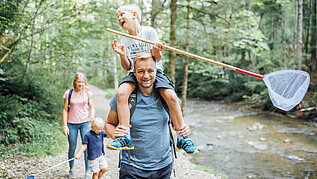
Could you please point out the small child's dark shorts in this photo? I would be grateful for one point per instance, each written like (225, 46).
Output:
(161, 81)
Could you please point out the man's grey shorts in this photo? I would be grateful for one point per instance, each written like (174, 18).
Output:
(98, 164)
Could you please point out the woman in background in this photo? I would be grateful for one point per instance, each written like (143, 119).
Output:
(76, 117)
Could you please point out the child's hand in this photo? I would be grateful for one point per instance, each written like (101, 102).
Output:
(119, 48)
(159, 46)
(77, 156)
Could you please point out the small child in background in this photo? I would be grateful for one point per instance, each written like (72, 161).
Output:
(93, 140)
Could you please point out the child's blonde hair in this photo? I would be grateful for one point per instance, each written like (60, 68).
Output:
(132, 8)
(98, 122)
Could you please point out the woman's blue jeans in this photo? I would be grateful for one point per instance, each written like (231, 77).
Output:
(72, 141)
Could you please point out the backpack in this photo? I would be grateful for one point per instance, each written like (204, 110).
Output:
(132, 104)
(69, 97)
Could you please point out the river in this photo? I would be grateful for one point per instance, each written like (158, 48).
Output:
(242, 144)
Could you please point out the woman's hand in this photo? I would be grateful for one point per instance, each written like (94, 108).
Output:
(120, 132)
(92, 119)
(66, 131)
(184, 131)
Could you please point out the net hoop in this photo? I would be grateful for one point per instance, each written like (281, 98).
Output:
(287, 88)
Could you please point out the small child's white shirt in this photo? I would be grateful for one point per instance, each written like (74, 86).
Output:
(134, 47)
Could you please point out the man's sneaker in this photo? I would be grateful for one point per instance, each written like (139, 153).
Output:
(71, 174)
(120, 143)
(187, 145)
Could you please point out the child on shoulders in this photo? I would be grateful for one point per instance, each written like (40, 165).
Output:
(129, 18)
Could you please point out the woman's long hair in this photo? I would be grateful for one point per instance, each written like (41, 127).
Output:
(84, 91)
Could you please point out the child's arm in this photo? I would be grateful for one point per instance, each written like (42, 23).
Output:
(81, 150)
(156, 51)
(119, 48)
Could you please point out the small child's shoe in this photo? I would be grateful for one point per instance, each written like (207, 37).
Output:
(88, 176)
(71, 174)
(120, 143)
(187, 145)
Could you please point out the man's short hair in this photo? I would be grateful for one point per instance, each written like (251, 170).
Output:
(143, 55)
(132, 8)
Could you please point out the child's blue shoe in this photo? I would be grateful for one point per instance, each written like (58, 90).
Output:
(187, 145)
(120, 143)
(71, 174)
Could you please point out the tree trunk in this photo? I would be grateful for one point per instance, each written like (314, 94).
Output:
(306, 36)
(272, 35)
(313, 36)
(300, 33)
(28, 61)
(172, 55)
(243, 58)
(283, 36)
(154, 12)
(295, 26)
(251, 57)
(185, 81)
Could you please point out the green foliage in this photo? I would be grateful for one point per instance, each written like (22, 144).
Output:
(28, 116)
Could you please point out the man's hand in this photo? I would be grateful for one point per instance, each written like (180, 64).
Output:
(119, 48)
(184, 131)
(120, 132)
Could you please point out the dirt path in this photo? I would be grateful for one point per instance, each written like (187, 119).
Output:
(23, 167)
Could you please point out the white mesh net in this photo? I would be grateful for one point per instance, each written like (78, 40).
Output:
(287, 87)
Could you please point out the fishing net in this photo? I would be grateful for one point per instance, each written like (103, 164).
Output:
(287, 87)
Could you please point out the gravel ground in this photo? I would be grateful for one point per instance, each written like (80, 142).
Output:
(23, 166)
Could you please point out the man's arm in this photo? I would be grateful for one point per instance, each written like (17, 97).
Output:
(112, 128)
(111, 123)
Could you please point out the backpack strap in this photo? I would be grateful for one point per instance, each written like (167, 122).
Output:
(132, 101)
(132, 104)
(69, 97)
(172, 142)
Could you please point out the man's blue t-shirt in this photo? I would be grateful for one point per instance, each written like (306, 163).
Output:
(149, 132)
(94, 144)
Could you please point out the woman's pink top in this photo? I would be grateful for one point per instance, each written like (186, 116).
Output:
(79, 111)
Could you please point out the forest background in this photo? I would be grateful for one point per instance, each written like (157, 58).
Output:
(45, 42)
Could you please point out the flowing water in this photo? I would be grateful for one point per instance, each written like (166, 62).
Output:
(243, 144)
